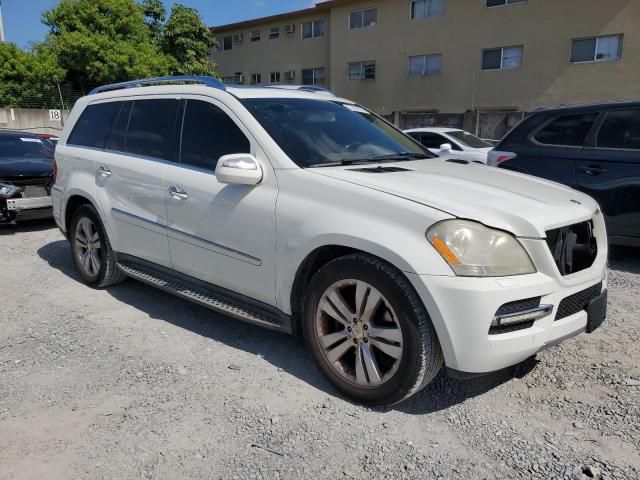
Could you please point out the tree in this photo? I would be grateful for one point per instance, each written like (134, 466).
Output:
(154, 15)
(187, 39)
(28, 79)
(103, 41)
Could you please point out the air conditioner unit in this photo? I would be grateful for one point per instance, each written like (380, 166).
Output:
(290, 75)
(237, 37)
(289, 28)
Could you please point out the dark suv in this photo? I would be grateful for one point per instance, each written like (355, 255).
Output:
(593, 148)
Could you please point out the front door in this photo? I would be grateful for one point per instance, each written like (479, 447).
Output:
(222, 234)
(609, 171)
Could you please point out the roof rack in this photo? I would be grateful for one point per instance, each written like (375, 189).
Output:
(203, 80)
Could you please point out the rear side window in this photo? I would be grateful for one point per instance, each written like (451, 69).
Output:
(207, 134)
(94, 124)
(119, 129)
(152, 129)
(620, 129)
(568, 130)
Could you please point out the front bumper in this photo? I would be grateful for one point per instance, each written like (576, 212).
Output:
(462, 310)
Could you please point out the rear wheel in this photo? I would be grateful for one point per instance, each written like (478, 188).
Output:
(91, 249)
(369, 331)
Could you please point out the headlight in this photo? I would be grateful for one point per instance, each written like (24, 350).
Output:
(473, 250)
(8, 191)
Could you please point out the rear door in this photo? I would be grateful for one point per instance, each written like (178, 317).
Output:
(551, 149)
(609, 171)
(130, 174)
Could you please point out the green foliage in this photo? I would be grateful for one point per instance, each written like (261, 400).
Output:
(103, 41)
(154, 15)
(187, 39)
(27, 78)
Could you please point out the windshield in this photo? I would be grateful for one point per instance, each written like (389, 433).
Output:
(17, 146)
(320, 132)
(468, 139)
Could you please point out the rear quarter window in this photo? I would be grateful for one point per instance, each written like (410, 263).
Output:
(567, 130)
(94, 124)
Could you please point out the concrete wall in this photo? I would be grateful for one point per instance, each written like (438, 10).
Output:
(30, 120)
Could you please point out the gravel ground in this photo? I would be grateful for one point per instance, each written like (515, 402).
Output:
(129, 382)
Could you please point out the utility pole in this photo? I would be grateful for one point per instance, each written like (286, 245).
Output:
(1, 25)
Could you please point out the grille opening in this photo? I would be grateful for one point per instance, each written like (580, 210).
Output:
(512, 308)
(573, 247)
(577, 302)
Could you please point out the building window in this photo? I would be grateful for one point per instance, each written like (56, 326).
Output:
(274, 32)
(425, 65)
(499, 3)
(313, 76)
(506, 58)
(596, 49)
(426, 8)
(226, 43)
(255, 36)
(362, 70)
(256, 79)
(274, 77)
(235, 79)
(363, 18)
(313, 29)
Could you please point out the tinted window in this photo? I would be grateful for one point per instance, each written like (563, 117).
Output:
(152, 129)
(432, 140)
(94, 124)
(620, 129)
(208, 134)
(568, 130)
(468, 139)
(24, 146)
(119, 129)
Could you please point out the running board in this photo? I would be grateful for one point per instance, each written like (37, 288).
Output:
(209, 297)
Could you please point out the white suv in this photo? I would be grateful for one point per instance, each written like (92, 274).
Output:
(303, 212)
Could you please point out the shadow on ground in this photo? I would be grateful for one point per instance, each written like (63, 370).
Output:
(282, 351)
(27, 226)
(624, 259)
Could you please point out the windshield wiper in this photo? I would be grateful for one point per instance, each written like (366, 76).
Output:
(394, 157)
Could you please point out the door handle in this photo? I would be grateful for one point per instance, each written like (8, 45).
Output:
(104, 171)
(177, 193)
(593, 170)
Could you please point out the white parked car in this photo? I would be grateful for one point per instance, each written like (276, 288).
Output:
(452, 142)
(307, 213)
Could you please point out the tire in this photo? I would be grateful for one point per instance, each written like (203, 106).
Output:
(101, 270)
(403, 362)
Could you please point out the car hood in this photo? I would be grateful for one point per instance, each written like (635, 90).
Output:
(524, 205)
(11, 168)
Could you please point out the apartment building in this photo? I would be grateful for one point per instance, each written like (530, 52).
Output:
(478, 64)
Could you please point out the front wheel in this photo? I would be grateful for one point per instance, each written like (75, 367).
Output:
(368, 330)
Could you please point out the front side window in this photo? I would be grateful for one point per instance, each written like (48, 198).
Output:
(425, 65)
(363, 18)
(317, 132)
(226, 43)
(94, 124)
(313, 76)
(152, 129)
(620, 129)
(274, 33)
(596, 49)
(274, 77)
(255, 36)
(497, 3)
(432, 140)
(568, 130)
(313, 29)
(504, 58)
(207, 134)
(361, 70)
(426, 8)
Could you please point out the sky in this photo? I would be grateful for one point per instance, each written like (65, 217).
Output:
(22, 17)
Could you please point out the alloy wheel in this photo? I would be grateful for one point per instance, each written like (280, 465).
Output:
(88, 247)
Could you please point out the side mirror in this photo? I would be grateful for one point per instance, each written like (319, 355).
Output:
(239, 169)
(446, 147)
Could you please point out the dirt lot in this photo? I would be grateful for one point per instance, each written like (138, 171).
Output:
(132, 383)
